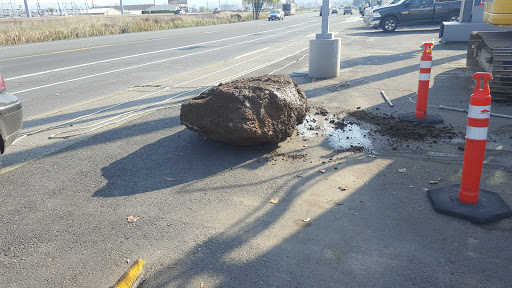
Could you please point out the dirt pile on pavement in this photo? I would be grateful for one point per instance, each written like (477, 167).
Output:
(390, 126)
(368, 131)
(251, 111)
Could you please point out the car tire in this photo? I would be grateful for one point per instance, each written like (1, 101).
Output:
(389, 24)
(454, 17)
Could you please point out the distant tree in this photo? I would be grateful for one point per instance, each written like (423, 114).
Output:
(51, 10)
(202, 9)
(257, 5)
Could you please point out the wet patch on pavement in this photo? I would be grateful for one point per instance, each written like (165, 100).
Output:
(371, 131)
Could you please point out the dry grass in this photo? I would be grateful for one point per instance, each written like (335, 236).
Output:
(17, 31)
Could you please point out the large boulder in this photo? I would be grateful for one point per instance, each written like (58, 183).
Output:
(258, 110)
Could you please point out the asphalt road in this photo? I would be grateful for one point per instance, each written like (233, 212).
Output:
(81, 70)
(83, 82)
(344, 218)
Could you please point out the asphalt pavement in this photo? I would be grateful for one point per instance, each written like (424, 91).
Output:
(344, 218)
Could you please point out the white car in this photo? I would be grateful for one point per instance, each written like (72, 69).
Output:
(276, 14)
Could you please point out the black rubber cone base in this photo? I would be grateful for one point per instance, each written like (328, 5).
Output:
(430, 119)
(490, 206)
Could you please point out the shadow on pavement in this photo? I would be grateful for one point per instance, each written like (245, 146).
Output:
(181, 158)
(125, 131)
(381, 234)
(83, 119)
(377, 60)
(114, 110)
(217, 255)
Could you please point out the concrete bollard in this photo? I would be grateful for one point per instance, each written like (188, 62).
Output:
(324, 58)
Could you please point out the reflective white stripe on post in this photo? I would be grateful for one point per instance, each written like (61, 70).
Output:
(479, 112)
(424, 76)
(426, 64)
(477, 133)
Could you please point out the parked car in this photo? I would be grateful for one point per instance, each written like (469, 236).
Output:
(414, 12)
(276, 14)
(11, 117)
(216, 10)
(347, 10)
(334, 10)
(179, 12)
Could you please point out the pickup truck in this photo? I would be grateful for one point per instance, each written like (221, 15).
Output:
(368, 14)
(414, 12)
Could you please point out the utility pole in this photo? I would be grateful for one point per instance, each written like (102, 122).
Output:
(27, 10)
(122, 8)
(12, 8)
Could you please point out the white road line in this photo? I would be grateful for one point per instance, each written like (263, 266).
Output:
(303, 56)
(250, 53)
(143, 54)
(151, 63)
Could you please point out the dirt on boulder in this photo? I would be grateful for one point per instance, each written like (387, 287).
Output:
(251, 111)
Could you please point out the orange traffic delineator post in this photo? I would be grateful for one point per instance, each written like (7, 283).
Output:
(420, 115)
(479, 115)
(467, 201)
(424, 81)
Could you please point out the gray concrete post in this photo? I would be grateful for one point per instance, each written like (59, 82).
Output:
(325, 17)
(324, 51)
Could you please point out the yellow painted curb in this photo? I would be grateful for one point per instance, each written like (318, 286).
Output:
(132, 277)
